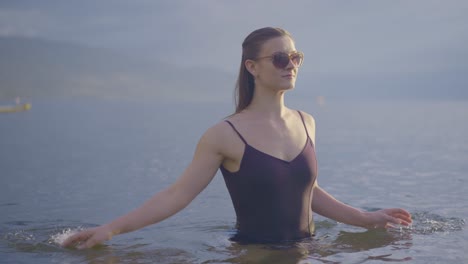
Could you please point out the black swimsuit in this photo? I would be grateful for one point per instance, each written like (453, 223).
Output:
(271, 196)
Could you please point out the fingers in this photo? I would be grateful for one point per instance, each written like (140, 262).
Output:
(398, 211)
(406, 221)
(403, 215)
(77, 239)
(397, 216)
(392, 220)
(88, 244)
(73, 239)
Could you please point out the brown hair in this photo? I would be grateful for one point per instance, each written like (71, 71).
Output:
(250, 49)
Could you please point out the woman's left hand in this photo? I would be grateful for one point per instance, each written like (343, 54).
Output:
(386, 218)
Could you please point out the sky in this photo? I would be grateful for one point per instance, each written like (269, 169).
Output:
(346, 37)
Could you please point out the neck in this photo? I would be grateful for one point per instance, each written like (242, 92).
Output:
(267, 103)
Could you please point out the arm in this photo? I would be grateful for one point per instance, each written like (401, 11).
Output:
(326, 205)
(194, 179)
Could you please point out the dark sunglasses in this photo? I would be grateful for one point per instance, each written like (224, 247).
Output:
(281, 59)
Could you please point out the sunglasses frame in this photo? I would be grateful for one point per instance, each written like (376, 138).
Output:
(290, 55)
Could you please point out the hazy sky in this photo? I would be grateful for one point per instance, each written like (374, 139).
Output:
(336, 36)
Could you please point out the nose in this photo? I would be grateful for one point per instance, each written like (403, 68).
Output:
(290, 65)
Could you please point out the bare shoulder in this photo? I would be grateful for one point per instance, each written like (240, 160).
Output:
(308, 119)
(218, 135)
(310, 123)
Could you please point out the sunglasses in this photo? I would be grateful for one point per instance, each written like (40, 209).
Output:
(281, 59)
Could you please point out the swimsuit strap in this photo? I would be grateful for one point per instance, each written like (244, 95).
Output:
(302, 118)
(233, 127)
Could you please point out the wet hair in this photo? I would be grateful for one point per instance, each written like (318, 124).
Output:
(250, 49)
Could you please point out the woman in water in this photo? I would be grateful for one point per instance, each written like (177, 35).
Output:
(266, 154)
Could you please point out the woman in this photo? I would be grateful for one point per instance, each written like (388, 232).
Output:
(266, 154)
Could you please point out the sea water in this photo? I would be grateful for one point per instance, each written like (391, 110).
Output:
(67, 165)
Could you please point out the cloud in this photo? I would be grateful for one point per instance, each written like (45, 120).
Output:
(387, 36)
(22, 23)
(350, 37)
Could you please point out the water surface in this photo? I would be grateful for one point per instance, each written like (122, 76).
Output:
(72, 164)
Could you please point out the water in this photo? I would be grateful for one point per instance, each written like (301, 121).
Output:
(73, 164)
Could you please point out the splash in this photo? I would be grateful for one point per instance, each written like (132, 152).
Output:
(19, 236)
(428, 223)
(59, 238)
(39, 239)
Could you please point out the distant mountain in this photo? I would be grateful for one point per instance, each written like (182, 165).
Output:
(393, 86)
(42, 68)
(31, 67)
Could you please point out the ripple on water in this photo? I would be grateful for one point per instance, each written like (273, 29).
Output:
(330, 243)
(428, 223)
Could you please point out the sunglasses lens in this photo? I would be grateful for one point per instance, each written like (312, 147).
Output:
(281, 60)
(297, 59)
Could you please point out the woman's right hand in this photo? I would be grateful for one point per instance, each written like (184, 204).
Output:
(89, 237)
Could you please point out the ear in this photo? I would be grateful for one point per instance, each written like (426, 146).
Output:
(251, 66)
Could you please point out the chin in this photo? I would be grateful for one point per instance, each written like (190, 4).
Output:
(288, 86)
(284, 86)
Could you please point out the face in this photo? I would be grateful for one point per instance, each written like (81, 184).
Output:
(264, 70)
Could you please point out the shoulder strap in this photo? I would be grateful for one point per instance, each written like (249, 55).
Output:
(303, 122)
(241, 137)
